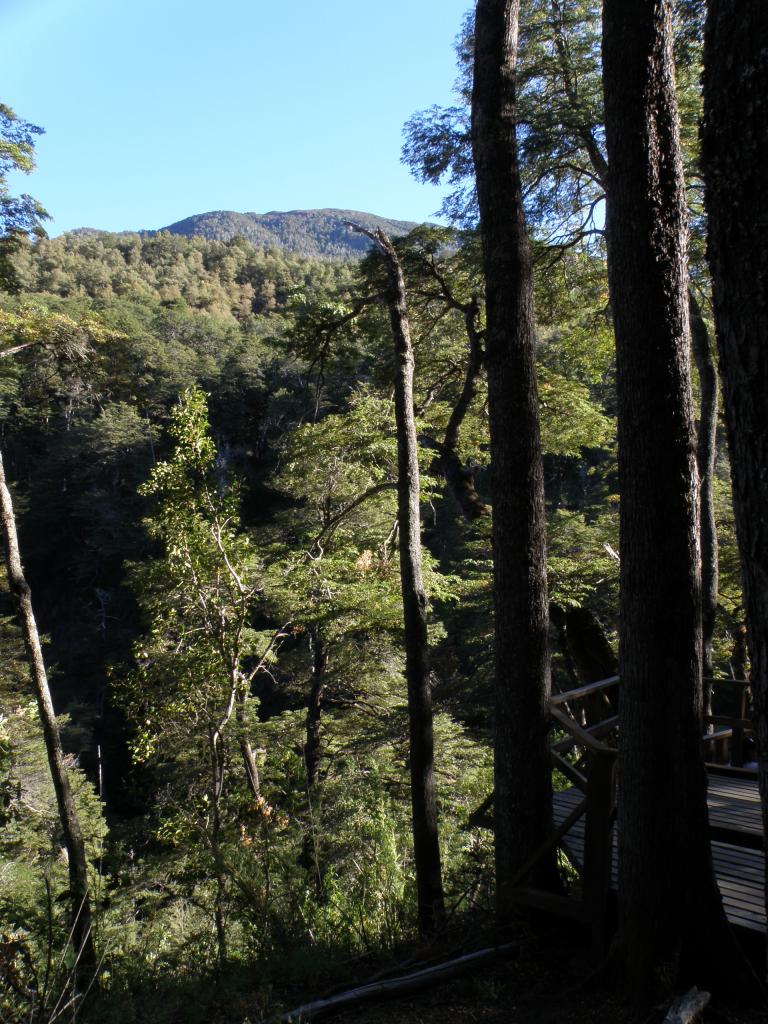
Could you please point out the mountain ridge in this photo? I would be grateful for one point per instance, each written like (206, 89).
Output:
(321, 233)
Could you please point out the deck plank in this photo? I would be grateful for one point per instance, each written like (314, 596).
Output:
(735, 815)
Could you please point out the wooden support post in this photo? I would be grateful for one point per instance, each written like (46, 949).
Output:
(737, 741)
(598, 847)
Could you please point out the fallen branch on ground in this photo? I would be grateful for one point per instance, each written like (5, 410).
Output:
(394, 986)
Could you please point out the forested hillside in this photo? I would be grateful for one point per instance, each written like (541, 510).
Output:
(291, 359)
(336, 541)
(318, 233)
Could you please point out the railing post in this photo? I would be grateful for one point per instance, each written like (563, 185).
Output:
(737, 738)
(598, 846)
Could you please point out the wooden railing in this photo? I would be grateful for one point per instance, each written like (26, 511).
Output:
(724, 743)
(584, 752)
(594, 773)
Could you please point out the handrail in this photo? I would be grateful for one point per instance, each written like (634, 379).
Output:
(731, 720)
(727, 679)
(583, 691)
(583, 738)
(597, 731)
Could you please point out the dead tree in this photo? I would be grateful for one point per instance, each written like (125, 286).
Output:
(70, 825)
(426, 845)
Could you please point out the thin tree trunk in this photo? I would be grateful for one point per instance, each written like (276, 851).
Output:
(312, 747)
(671, 917)
(246, 750)
(426, 845)
(215, 747)
(523, 787)
(70, 825)
(735, 160)
(706, 454)
(461, 478)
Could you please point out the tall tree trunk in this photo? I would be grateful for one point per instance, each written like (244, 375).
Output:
(523, 786)
(706, 454)
(670, 913)
(216, 753)
(735, 159)
(707, 450)
(73, 838)
(460, 477)
(312, 747)
(426, 845)
(246, 750)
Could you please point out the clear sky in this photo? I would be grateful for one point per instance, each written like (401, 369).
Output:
(158, 109)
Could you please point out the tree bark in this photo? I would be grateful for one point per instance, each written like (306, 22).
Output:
(246, 750)
(312, 746)
(426, 845)
(586, 137)
(461, 478)
(82, 938)
(706, 455)
(523, 786)
(735, 161)
(670, 913)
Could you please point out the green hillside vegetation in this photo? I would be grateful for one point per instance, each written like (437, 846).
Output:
(303, 679)
(296, 371)
(316, 233)
(227, 278)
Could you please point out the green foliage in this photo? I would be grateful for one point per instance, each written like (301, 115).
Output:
(201, 439)
(20, 216)
(583, 565)
(228, 279)
(199, 597)
(34, 926)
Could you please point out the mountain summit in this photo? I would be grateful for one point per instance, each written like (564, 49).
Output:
(318, 233)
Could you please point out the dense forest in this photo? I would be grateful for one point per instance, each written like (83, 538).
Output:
(313, 522)
(323, 233)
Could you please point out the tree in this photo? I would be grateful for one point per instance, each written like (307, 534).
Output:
(332, 570)
(201, 653)
(66, 339)
(706, 458)
(523, 795)
(20, 216)
(735, 158)
(82, 937)
(565, 176)
(671, 918)
(426, 843)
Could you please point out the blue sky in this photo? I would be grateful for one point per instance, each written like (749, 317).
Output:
(158, 109)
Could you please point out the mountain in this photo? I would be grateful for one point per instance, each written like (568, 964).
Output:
(318, 233)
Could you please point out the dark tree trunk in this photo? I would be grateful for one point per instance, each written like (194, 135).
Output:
(735, 159)
(82, 938)
(589, 646)
(594, 660)
(706, 454)
(523, 786)
(707, 450)
(426, 845)
(461, 478)
(312, 747)
(670, 913)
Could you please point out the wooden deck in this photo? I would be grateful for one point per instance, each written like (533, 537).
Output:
(735, 818)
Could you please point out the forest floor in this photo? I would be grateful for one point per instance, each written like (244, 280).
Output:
(548, 981)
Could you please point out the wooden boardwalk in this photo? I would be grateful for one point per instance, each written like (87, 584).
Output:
(735, 819)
